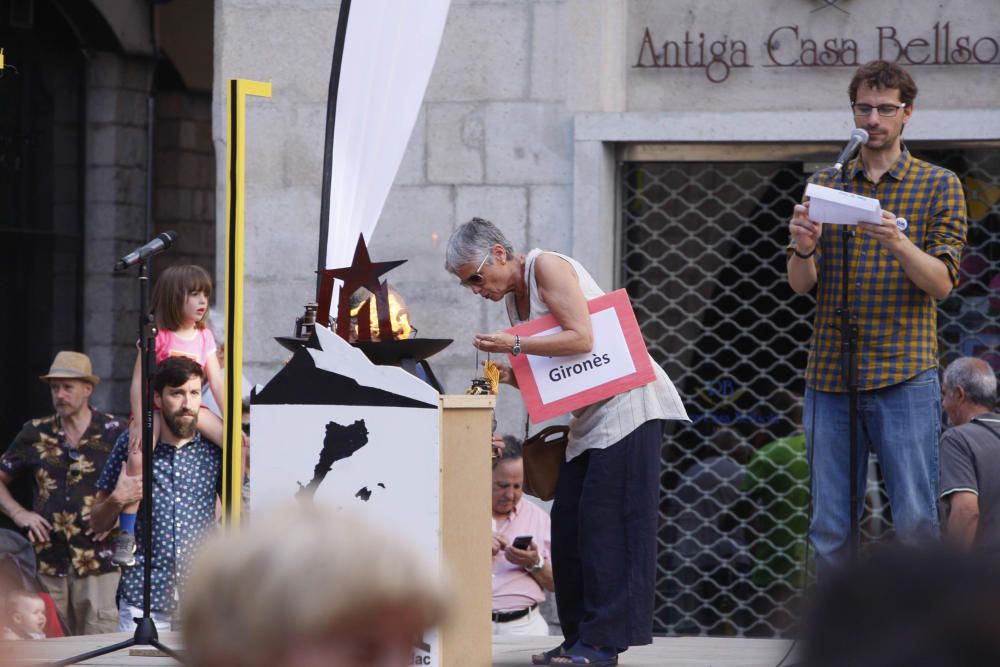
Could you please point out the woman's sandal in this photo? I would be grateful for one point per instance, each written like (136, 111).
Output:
(584, 654)
(546, 657)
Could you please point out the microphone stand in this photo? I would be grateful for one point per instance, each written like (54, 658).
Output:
(848, 351)
(848, 358)
(145, 631)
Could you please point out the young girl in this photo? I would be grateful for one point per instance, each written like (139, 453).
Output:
(180, 303)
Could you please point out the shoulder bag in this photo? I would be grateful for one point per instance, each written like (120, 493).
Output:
(543, 454)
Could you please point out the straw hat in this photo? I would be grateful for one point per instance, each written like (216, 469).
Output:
(71, 366)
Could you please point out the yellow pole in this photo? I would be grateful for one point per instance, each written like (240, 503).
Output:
(232, 459)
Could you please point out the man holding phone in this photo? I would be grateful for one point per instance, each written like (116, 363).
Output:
(522, 567)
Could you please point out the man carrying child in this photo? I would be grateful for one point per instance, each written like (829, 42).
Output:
(186, 475)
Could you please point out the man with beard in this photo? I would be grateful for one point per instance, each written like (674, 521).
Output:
(186, 477)
(64, 454)
(896, 273)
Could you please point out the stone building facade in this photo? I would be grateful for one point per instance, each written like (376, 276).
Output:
(532, 108)
(661, 143)
(88, 87)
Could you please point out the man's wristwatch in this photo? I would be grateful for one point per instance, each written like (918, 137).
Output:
(516, 350)
(539, 565)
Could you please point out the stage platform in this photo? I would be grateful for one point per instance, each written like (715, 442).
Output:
(664, 652)
(507, 651)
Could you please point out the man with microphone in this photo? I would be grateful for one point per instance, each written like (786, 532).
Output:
(896, 273)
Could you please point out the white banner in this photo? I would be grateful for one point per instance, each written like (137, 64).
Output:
(389, 52)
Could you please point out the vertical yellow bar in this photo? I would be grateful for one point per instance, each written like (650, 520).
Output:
(232, 459)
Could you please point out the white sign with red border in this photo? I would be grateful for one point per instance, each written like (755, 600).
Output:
(618, 362)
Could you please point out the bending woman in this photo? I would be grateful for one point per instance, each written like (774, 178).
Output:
(604, 516)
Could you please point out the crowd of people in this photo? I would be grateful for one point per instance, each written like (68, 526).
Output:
(87, 471)
(598, 551)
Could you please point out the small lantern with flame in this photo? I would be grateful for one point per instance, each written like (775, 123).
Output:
(366, 323)
(367, 307)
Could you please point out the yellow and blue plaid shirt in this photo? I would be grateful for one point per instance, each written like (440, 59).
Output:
(896, 320)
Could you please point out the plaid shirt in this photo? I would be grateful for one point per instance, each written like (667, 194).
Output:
(896, 320)
(65, 486)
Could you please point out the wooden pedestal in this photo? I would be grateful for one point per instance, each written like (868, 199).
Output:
(466, 482)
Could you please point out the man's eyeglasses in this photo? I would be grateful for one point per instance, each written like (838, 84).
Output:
(476, 278)
(884, 110)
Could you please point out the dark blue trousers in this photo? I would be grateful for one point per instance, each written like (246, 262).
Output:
(604, 520)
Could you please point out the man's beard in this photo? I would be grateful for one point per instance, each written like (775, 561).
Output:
(66, 410)
(181, 428)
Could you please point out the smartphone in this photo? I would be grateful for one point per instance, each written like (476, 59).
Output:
(521, 542)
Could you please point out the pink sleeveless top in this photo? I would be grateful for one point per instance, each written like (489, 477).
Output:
(198, 348)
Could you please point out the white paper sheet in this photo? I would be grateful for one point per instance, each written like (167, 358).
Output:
(836, 207)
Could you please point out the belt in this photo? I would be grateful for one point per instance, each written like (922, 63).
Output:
(507, 616)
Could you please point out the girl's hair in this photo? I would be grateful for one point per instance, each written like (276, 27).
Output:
(171, 292)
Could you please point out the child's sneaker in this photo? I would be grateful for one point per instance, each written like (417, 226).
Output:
(124, 549)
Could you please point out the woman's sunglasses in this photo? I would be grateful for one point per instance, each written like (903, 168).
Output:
(476, 278)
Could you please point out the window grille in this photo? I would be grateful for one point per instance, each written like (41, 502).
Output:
(702, 257)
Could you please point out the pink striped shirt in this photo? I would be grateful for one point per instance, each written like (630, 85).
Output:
(513, 587)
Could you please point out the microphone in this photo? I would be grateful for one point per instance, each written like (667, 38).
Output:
(858, 137)
(154, 247)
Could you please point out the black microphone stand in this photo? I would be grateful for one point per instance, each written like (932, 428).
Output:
(849, 367)
(145, 631)
(848, 358)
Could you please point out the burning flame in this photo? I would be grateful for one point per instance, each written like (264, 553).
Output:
(399, 316)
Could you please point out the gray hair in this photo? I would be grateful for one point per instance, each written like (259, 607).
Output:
(471, 241)
(974, 376)
(512, 450)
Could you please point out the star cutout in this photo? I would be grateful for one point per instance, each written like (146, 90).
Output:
(362, 272)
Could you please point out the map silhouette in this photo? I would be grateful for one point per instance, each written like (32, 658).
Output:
(340, 443)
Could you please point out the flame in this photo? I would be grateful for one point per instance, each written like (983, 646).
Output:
(399, 316)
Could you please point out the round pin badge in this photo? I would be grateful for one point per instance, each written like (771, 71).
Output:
(901, 224)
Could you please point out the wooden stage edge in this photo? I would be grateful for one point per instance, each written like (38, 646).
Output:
(507, 651)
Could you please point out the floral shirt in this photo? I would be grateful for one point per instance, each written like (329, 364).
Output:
(65, 485)
(186, 481)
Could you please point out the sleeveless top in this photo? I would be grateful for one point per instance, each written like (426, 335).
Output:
(602, 424)
(198, 348)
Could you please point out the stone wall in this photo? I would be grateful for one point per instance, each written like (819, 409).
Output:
(494, 139)
(115, 200)
(184, 176)
(115, 204)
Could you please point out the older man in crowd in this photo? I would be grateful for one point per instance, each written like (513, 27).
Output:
(522, 570)
(970, 455)
(186, 475)
(65, 453)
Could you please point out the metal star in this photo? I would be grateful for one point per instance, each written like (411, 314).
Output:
(362, 272)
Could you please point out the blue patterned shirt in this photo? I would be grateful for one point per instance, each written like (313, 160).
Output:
(186, 480)
(896, 320)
